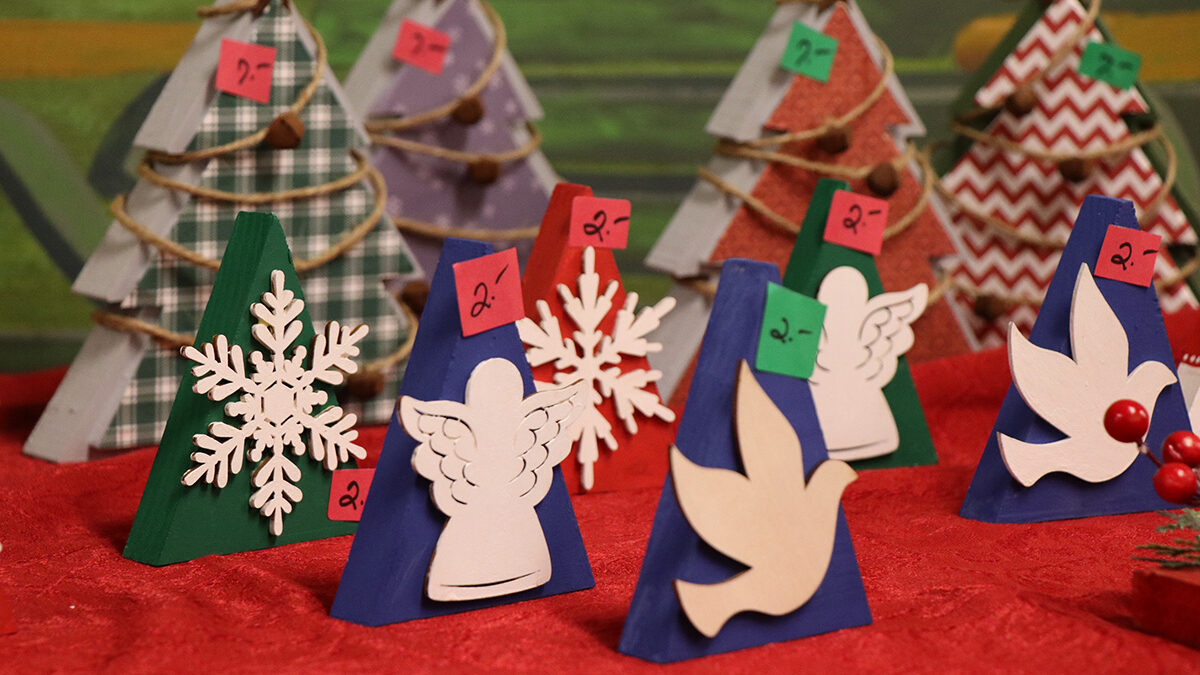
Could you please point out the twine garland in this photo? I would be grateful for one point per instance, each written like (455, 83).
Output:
(353, 237)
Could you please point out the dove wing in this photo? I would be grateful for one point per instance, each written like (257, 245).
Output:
(544, 439)
(769, 447)
(1044, 379)
(886, 330)
(717, 503)
(445, 448)
(1098, 341)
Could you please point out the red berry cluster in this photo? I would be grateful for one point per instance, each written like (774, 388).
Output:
(1177, 478)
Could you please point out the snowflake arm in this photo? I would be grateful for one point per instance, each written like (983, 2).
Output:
(628, 392)
(334, 351)
(225, 446)
(630, 331)
(277, 313)
(221, 369)
(546, 342)
(331, 437)
(277, 491)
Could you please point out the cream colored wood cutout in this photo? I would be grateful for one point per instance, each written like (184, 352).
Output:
(1189, 382)
(768, 519)
(1072, 394)
(491, 461)
(861, 344)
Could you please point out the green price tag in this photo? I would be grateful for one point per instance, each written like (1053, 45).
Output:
(810, 53)
(1111, 64)
(790, 334)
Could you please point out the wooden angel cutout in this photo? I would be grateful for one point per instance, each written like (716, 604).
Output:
(491, 461)
(770, 519)
(861, 344)
(1072, 393)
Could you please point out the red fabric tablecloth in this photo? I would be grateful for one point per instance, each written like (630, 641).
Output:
(947, 594)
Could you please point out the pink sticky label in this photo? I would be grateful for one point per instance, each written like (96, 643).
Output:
(602, 223)
(245, 70)
(856, 221)
(1128, 255)
(421, 46)
(489, 292)
(348, 493)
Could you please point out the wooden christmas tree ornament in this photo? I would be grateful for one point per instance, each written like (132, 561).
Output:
(210, 150)
(456, 144)
(255, 397)
(776, 144)
(749, 544)
(1096, 340)
(861, 356)
(469, 474)
(623, 435)
(1037, 133)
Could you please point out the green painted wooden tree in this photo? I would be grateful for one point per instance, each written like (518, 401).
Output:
(810, 265)
(267, 499)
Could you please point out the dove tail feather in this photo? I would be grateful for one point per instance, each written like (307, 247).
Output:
(708, 606)
(1029, 462)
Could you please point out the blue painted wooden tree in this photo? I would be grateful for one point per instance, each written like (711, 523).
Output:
(994, 495)
(384, 578)
(656, 628)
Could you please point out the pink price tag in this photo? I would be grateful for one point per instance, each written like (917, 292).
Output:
(421, 46)
(856, 221)
(348, 493)
(489, 292)
(1128, 255)
(602, 223)
(245, 70)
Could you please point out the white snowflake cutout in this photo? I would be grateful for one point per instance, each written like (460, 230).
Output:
(276, 404)
(585, 358)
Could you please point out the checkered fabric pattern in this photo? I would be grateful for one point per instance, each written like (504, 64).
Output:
(349, 289)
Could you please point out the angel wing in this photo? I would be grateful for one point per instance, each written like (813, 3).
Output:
(445, 447)
(543, 438)
(886, 331)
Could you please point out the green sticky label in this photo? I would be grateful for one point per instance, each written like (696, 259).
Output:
(810, 53)
(790, 334)
(1109, 63)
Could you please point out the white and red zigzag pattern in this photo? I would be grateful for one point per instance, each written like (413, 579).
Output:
(1074, 114)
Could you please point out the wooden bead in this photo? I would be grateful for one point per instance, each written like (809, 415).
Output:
(469, 111)
(834, 141)
(484, 171)
(414, 294)
(989, 307)
(365, 384)
(1076, 170)
(1022, 101)
(884, 180)
(286, 132)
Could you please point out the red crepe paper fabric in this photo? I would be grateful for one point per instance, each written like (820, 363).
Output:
(947, 594)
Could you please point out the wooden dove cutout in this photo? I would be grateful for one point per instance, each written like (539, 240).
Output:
(861, 344)
(1072, 394)
(491, 461)
(768, 519)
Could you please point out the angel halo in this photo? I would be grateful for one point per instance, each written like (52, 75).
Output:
(861, 343)
(491, 461)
